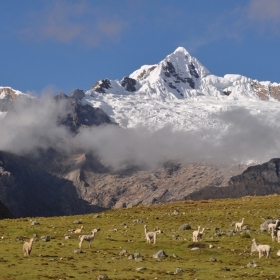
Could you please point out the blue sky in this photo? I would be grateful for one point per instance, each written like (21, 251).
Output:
(49, 46)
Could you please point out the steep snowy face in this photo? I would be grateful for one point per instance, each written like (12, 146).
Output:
(178, 76)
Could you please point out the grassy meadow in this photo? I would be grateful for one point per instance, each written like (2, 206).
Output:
(120, 230)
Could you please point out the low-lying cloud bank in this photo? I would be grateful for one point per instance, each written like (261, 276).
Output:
(243, 136)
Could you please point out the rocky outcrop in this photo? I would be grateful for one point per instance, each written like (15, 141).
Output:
(78, 114)
(77, 94)
(128, 84)
(261, 179)
(101, 85)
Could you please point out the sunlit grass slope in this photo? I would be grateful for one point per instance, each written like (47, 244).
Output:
(120, 230)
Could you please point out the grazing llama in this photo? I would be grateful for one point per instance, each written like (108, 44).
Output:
(88, 238)
(238, 226)
(195, 234)
(79, 230)
(151, 234)
(262, 249)
(27, 247)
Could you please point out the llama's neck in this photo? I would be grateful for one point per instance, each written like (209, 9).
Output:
(145, 229)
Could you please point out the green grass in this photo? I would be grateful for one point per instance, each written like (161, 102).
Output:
(56, 259)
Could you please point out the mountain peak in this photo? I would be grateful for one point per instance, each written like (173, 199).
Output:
(181, 50)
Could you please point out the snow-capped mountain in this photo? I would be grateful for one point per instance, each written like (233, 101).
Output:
(7, 96)
(181, 92)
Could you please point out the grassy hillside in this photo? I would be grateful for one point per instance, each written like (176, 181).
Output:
(120, 230)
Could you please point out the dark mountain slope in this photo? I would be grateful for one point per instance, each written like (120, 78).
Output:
(78, 114)
(5, 213)
(261, 179)
(27, 190)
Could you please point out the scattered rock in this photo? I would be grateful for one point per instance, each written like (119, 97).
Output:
(77, 222)
(78, 251)
(252, 264)
(159, 254)
(34, 223)
(138, 259)
(102, 276)
(140, 268)
(67, 236)
(212, 260)
(278, 253)
(122, 252)
(130, 257)
(230, 233)
(211, 246)
(46, 238)
(225, 268)
(185, 227)
(246, 227)
(136, 255)
(176, 212)
(174, 256)
(178, 270)
(195, 248)
(139, 221)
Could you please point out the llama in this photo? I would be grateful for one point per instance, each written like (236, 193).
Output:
(88, 238)
(79, 230)
(238, 226)
(195, 234)
(273, 226)
(262, 249)
(27, 247)
(151, 234)
(199, 236)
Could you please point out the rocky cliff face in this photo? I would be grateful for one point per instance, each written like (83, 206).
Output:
(261, 179)
(78, 114)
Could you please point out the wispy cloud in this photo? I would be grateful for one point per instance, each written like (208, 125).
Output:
(49, 90)
(76, 21)
(260, 17)
(265, 15)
